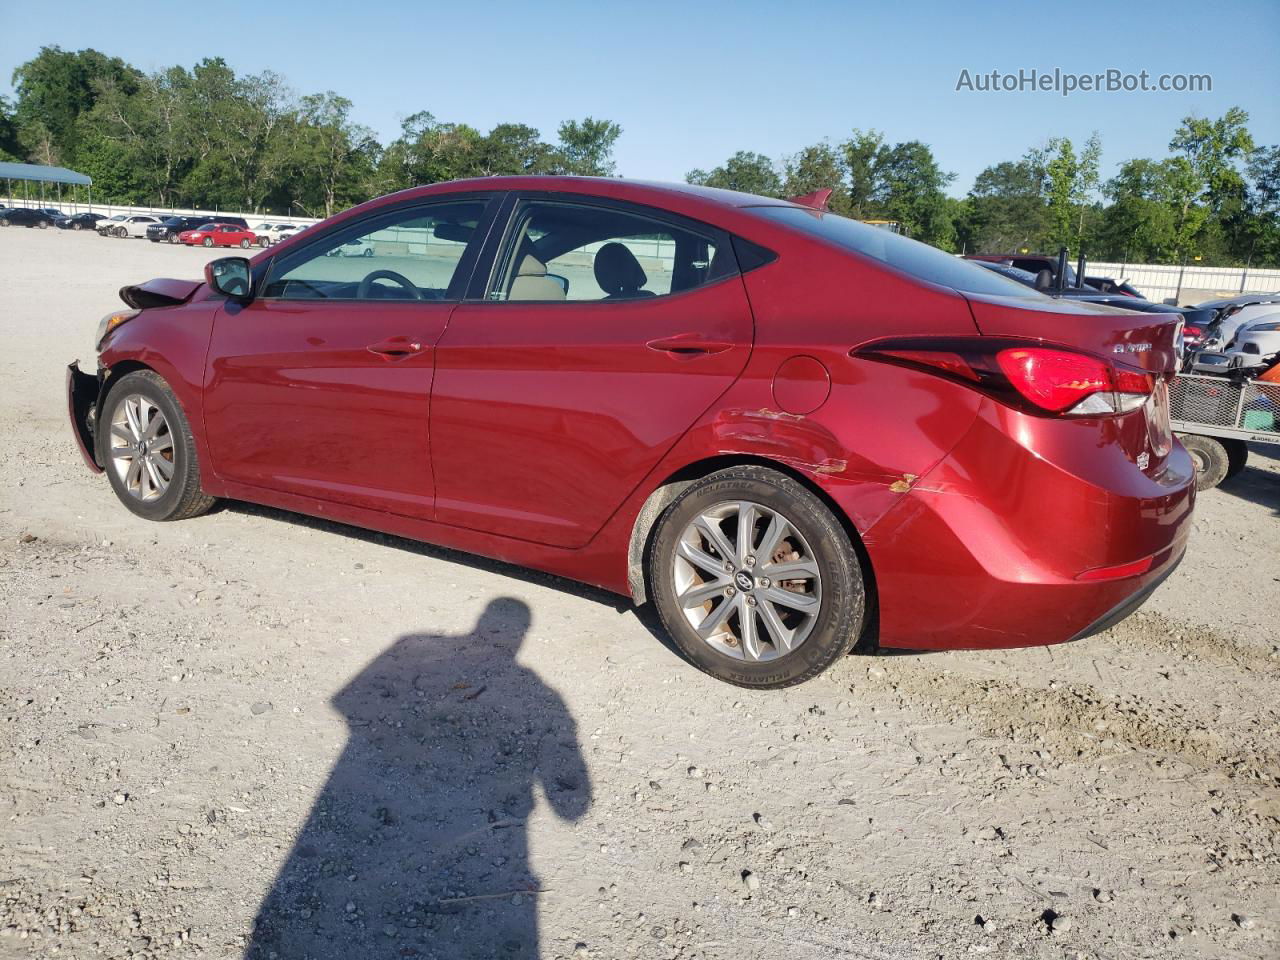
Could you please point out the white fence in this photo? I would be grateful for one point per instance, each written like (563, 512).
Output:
(1188, 285)
(111, 209)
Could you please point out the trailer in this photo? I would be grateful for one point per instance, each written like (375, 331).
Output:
(1216, 418)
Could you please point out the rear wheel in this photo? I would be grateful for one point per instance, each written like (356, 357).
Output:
(244, 244)
(1210, 458)
(44, 224)
(1237, 457)
(146, 444)
(755, 580)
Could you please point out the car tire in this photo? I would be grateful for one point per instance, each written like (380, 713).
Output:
(76, 226)
(1237, 457)
(4, 222)
(795, 631)
(44, 224)
(1210, 458)
(207, 241)
(244, 244)
(367, 252)
(181, 496)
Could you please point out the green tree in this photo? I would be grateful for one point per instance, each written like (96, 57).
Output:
(865, 161)
(818, 167)
(586, 147)
(55, 88)
(514, 148)
(1004, 211)
(914, 194)
(332, 153)
(745, 171)
(1061, 171)
(1139, 223)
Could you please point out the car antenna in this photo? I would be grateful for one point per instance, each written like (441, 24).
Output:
(816, 200)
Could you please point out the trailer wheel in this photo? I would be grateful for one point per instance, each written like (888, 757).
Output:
(1210, 458)
(1237, 457)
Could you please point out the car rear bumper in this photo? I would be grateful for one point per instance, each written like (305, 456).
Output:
(82, 408)
(988, 550)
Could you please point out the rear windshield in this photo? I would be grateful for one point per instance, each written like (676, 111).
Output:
(908, 256)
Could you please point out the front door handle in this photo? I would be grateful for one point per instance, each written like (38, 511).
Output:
(396, 348)
(688, 345)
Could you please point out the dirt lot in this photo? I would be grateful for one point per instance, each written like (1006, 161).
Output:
(255, 734)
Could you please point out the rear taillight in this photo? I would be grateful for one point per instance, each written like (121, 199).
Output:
(1032, 377)
(1190, 331)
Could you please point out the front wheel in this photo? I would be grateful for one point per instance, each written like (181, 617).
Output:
(146, 444)
(76, 226)
(755, 579)
(44, 224)
(208, 241)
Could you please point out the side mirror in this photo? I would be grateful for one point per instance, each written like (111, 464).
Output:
(230, 277)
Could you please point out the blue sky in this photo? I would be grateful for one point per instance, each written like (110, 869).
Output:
(693, 82)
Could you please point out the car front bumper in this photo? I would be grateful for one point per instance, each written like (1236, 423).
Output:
(82, 408)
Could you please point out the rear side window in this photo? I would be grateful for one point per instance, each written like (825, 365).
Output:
(908, 256)
(564, 251)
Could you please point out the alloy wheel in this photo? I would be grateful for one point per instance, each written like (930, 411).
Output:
(142, 452)
(747, 581)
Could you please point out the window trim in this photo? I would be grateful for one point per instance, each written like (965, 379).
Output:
(341, 234)
(502, 242)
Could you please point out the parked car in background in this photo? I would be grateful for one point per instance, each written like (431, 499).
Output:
(1032, 263)
(353, 248)
(106, 228)
(81, 221)
(720, 429)
(219, 235)
(1111, 285)
(51, 211)
(134, 226)
(283, 231)
(24, 217)
(171, 228)
(1195, 320)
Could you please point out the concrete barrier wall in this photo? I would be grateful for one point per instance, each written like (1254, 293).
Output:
(1189, 285)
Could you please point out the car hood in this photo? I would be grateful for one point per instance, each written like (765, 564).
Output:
(161, 292)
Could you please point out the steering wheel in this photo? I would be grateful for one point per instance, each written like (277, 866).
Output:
(366, 285)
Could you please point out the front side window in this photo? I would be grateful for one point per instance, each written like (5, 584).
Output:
(561, 251)
(410, 254)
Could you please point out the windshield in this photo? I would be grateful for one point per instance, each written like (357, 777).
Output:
(908, 256)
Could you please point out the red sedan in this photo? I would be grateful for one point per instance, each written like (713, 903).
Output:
(219, 235)
(787, 430)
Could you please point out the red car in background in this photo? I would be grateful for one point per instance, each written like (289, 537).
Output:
(788, 430)
(219, 235)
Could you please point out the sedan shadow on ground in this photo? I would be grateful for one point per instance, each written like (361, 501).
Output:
(417, 845)
(1254, 484)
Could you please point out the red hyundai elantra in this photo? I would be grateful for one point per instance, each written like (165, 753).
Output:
(219, 235)
(786, 429)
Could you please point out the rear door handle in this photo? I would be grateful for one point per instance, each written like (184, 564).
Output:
(688, 345)
(396, 348)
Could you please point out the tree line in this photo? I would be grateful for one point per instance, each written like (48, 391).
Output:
(1214, 199)
(209, 138)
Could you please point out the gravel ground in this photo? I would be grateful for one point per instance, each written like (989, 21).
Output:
(254, 734)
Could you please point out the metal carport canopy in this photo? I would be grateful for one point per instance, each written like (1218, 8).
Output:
(46, 174)
(39, 172)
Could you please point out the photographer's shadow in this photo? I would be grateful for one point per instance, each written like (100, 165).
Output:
(417, 845)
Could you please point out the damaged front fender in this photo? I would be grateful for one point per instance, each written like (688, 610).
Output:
(83, 390)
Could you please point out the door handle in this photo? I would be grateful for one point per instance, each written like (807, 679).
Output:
(395, 348)
(688, 345)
